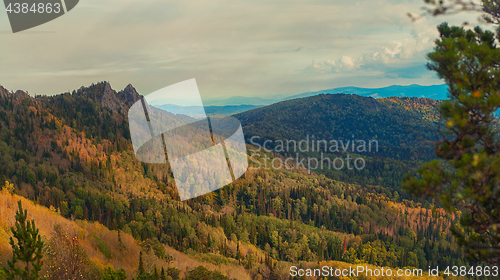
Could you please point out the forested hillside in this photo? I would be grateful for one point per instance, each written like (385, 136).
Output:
(399, 125)
(72, 152)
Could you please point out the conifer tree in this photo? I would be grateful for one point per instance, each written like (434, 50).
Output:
(155, 274)
(26, 251)
(141, 265)
(466, 177)
(162, 275)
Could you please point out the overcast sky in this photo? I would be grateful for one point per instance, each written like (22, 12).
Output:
(232, 47)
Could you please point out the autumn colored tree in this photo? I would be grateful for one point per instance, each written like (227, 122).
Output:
(9, 187)
(466, 177)
(27, 255)
(66, 259)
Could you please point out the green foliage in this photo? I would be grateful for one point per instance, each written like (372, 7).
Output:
(467, 178)
(140, 269)
(173, 273)
(158, 249)
(2, 273)
(27, 251)
(142, 274)
(163, 276)
(201, 273)
(145, 276)
(395, 123)
(103, 246)
(110, 274)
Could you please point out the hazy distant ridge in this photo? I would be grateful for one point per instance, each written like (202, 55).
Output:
(439, 92)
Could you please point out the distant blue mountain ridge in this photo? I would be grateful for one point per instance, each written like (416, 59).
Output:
(200, 112)
(439, 92)
(238, 104)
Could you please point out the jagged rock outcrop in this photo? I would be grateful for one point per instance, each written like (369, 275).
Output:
(4, 92)
(20, 95)
(109, 99)
(129, 95)
(16, 96)
(118, 101)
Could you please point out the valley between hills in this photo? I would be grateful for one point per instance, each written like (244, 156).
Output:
(68, 158)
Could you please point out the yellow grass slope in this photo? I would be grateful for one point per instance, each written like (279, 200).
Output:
(126, 257)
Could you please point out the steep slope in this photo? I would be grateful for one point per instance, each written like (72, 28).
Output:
(72, 152)
(118, 250)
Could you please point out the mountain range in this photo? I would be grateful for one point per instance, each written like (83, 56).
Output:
(439, 92)
(70, 158)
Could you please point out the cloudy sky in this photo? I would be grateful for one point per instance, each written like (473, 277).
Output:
(232, 47)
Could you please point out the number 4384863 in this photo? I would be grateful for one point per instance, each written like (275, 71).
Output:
(472, 271)
(40, 8)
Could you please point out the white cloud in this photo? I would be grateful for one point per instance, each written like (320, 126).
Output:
(419, 39)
